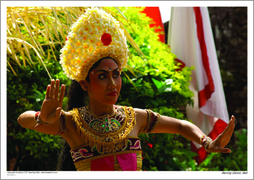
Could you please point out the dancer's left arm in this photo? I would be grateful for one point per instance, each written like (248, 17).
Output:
(193, 133)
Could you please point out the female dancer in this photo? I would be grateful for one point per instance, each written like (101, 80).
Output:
(102, 135)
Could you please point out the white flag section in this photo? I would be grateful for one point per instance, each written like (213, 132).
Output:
(191, 40)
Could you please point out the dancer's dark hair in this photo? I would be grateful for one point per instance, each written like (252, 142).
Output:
(77, 97)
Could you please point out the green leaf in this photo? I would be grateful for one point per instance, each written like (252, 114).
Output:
(157, 83)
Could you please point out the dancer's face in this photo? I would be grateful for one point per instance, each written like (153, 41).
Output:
(105, 82)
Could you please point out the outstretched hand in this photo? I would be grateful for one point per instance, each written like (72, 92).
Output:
(52, 104)
(222, 140)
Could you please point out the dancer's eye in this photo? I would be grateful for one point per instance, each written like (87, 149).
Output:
(102, 76)
(116, 74)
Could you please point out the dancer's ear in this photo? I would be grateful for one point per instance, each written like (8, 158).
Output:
(84, 84)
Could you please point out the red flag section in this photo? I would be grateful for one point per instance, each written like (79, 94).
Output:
(155, 15)
(190, 38)
(205, 93)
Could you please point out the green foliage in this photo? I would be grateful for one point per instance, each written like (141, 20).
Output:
(33, 150)
(163, 152)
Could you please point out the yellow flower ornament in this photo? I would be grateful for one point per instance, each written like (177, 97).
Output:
(95, 35)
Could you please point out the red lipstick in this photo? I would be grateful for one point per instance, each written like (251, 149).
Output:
(112, 93)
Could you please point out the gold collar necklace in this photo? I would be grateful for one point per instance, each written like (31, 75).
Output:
(103, 116)
(107, 123)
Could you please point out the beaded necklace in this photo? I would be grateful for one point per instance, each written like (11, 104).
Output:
(108, 123)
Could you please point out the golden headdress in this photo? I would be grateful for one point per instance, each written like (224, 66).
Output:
(95, 35)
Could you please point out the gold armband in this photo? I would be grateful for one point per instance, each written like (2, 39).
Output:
(152, 121)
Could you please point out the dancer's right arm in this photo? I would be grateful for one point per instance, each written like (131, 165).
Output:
(50, 111)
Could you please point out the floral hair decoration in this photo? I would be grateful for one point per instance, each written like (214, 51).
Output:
(95, 35)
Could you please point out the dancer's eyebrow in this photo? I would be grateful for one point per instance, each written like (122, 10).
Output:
(105, 71)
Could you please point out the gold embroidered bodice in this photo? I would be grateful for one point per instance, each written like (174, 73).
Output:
(107, 133)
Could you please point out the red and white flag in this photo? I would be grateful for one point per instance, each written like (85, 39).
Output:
(190, 38)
